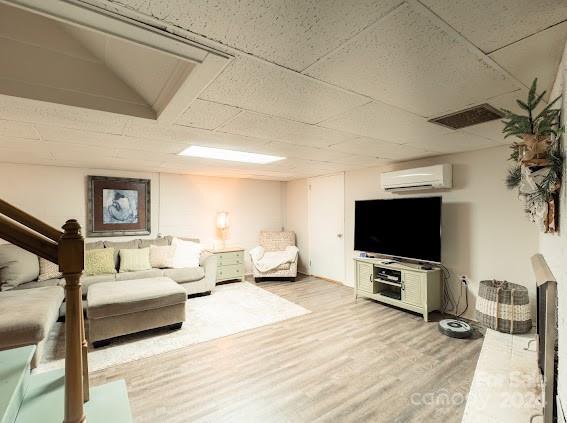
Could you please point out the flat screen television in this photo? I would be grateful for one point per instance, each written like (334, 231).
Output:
(403, 228)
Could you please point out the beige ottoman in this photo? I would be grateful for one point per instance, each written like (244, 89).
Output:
(121, 308)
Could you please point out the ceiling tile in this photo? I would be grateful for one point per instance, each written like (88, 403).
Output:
(302, 152)
(493, 24)
(207, 114)
(31, 157)
(409, 60)
(10, 128)
(22, 146)
(379, 120)
(491, 130)
(542, 51)
(104, 163)
(380, 149)
(273, 128)
(76, 136)
(272, 29)
(456, 142)
(65, 151)
(509, 101)
(156, 131)
(129, 164)
(361, 161)
(267, 88)
(33, 111)
(22, 150)
(155, 146)
(142, 155)
(73, 136)
(195, 165)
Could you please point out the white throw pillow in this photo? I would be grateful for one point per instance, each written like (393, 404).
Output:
(48, 270)
(186, 254)
(134, 260)
(162, 256)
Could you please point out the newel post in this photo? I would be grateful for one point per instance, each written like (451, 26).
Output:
(71, 264)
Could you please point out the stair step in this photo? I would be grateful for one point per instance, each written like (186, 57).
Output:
(45, 397)
(14, 378)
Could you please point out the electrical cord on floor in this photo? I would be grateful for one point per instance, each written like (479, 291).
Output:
(449, 303)
(448, 300)
(464, 284)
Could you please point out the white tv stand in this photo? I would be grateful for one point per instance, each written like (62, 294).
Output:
(418, 290)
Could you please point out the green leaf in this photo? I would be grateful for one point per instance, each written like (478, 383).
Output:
(532, 93)
(548, 107)
(538, 100)
(514, 177)
(523, 105)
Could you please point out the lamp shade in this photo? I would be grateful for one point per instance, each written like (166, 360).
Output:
(222, 220)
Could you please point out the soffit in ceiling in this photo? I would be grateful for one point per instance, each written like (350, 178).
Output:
(145, 70)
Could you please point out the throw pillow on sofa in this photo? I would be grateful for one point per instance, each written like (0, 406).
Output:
(48, 270)
(17, 266)
(158, 242)
(162, 257)
(187, 253)
(135, 260)
(99, 262)
(121, 245)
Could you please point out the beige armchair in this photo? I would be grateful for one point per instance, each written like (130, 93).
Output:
(272, 241)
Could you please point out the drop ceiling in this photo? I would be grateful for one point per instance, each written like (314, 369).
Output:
(331, 85)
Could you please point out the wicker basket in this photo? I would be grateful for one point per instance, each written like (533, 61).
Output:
(504, 306)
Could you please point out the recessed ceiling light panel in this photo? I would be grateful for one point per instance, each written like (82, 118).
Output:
(229, 155)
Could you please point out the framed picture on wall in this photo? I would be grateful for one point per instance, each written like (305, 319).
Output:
(118, 206)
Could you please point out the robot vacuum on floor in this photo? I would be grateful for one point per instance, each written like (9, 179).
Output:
(455, 328)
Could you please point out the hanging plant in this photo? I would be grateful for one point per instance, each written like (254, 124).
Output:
(538, 159)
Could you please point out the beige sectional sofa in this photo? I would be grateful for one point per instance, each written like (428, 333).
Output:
(26, 319)
(24, 266)
(30, 307)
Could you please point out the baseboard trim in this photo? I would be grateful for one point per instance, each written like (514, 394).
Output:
(328, 279)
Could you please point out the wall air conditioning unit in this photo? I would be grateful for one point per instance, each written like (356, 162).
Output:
(420, 178)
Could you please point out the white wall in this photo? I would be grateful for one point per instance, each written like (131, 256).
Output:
(554, 248)
(188, 207)
(182, 205)
(55, 194)
(296, 218)
(485, 232)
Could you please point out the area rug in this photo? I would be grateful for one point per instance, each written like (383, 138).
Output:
(232, 308)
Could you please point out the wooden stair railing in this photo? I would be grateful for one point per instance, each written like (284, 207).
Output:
(67, 249)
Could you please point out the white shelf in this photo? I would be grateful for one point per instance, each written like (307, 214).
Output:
(399, 285)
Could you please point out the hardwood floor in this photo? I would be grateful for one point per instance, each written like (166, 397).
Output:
(344, 362)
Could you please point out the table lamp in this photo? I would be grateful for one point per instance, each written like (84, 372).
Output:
(222, 227)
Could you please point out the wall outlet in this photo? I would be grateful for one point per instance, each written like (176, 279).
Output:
(464, 278)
